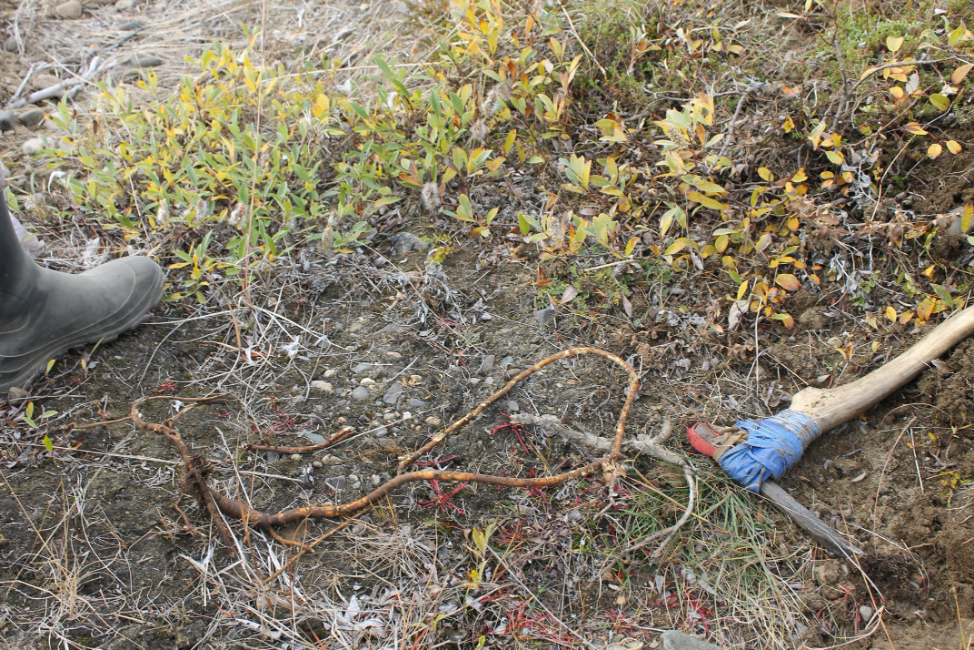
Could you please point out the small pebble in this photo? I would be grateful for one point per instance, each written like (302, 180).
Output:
(367, 381)
(358, 369)
(361, 393)
(323, 386)
(416, 403)
(31, 118)
(486, 364)
(381, 432)
(485, 316)
(475, 380)
(866, 612)
(543, 316)
(7, 120)
(331, 372)
(131, 26)
(124, 5)
(143, 61)
(11, 44)
(295, 456)
(32, 146)
(317, 464)
(394, 354)
(506, 361)
(69, 10)
(489, 380)
(393, 394)
(435, 421)
(513, 406)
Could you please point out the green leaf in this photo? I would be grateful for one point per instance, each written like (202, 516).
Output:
(387, 200)
(48, 444)
(940, 102)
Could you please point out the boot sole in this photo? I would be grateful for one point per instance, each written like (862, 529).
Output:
(42, 358)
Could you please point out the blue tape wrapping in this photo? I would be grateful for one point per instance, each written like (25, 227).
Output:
(773, 446)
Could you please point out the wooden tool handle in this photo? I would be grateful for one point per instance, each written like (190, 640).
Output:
(830, 408)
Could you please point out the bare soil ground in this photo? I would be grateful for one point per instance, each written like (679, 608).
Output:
(100, 546)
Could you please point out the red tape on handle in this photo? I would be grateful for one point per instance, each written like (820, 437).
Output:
(703, 438)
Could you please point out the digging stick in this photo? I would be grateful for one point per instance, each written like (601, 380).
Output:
(814, 411)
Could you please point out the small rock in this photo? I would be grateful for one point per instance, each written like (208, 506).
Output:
(489, 381)
(11, 44)
(367, 381)
(362, 367)
(17, 395)
(506, 362)
(381, 432)
(486, 364)
(394, 354)
(331, 372)
(32, 146)
(295, 456)
(68, 10)
(124, 5)
(7, 120)
(131, 25)
(513, 406)
(406, 242)
(544, 316)
(317, 464)
(866, 612)
(475, 380)
(143, 61)
(323, 386)
(673, 640)
(32, 117)
(486, 316)
(393, 394)
(416, 403)
(313, 438)
(435, 421)
(360, 394)
(336, 482)
(43, 80)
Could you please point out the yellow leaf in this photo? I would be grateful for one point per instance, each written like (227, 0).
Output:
(958, 75)
(720, 244)
(788, 126)
(835, 156)
(914, 128)
(897, 92)
(705, 201)
(934, 151)
(890, 314)
(894, 43)
(676, 246)
(788, 282)
(800, 176)
(765, 174)
(953, 147)
(906, 317)
(967, 217)
(925, 308)
(741, 290)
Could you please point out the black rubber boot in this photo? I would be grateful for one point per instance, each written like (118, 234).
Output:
(44, 313)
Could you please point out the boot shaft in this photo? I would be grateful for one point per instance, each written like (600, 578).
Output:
(18, 272)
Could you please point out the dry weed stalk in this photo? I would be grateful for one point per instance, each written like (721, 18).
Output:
(217, 503)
